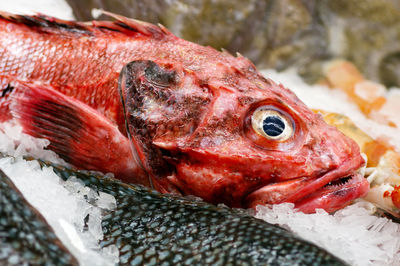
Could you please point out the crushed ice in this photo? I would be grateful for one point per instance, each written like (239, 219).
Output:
(72, 210)
(15, 143)
(352, 233)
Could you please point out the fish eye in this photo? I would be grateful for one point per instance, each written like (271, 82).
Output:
(271, 124)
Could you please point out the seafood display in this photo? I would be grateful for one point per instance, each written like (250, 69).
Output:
(280, 34)
(129, 143)
(152, 228)
(25, 236)
(199, 122)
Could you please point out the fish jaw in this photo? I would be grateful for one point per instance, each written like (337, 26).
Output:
(336, 197)
(299, 176)
(330, 192)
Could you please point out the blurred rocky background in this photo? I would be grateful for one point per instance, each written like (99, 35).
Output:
(280, 33)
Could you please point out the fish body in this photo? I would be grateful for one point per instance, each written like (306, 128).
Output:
(199, 121)
(150, 228)
(25, 236)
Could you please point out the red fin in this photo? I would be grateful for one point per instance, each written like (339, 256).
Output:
(43, 23)
(136, 25)
(78, 133)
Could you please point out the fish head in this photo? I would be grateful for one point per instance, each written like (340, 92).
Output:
(229, 135)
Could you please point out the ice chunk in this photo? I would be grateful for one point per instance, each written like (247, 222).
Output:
(15, 143)
(106, 201)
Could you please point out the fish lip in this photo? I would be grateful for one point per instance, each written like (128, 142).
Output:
(332, 198)
(348, 169)
(316, 186)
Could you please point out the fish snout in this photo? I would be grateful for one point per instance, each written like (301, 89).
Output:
(329, 179)
(332, 149)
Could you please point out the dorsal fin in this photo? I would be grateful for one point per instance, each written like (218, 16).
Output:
(47, 24)
(136, 25)
(121, 24)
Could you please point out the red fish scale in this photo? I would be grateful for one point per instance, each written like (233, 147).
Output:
(87, 67)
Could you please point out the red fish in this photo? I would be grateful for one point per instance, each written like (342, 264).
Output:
(198, 121)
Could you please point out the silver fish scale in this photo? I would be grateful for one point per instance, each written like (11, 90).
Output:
(25, 237)
(150, 228)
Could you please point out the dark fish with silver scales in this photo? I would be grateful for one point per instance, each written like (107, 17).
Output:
(25, 236)
(160, 229)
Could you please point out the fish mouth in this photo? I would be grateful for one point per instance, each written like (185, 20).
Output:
(331, 191)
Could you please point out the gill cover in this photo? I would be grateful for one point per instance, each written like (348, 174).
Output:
(162, 106)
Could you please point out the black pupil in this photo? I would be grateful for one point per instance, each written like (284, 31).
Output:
(273, 126)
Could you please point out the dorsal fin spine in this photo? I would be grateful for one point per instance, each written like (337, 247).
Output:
(122, 24)
(137, 25)
(45, 23)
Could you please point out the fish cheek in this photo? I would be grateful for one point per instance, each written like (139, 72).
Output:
(212, 183)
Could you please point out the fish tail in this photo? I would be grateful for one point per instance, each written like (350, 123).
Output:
(77, 133)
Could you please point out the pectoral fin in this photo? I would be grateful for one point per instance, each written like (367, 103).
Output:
(77, 133)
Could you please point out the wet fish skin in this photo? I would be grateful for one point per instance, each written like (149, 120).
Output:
(220, 157)
(160, 229)
(189, 111)
(25, 236)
